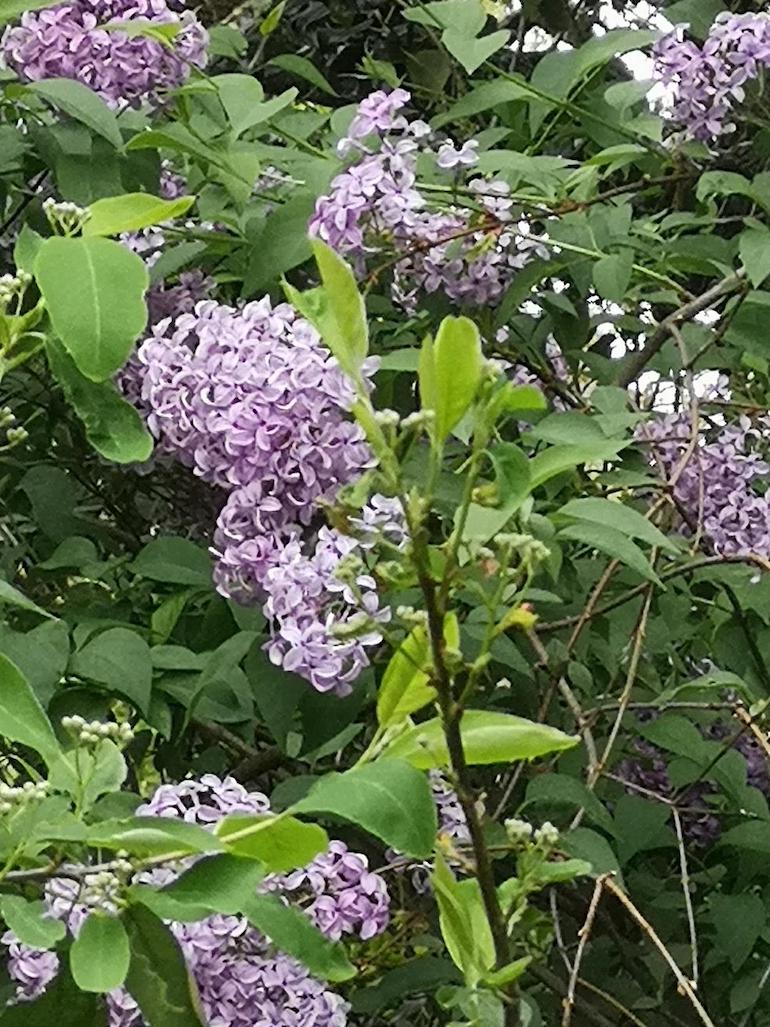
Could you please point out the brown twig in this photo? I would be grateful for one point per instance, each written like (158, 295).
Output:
(583, 935)
(684, 985)
(637, 362)
(685, 877)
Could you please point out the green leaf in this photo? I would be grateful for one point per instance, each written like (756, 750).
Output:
(162, 32)
(466, 16)
(618, 516)
(281, 243)
(594, 848)
(301, 66)
(482, 98)
(29, 922)
(94, 292)
(100, 956)
(153, 836)
(754, 249)
(280, 843)
(450, 373)
(612, 542)
(739, 921)
(641, 825)
(90, 775)
(293, 933)
(753, 835)
(175, 560)
(13, 597)
(239, 95)
(158, 978)
(699, 14)
(120, 660)
(113, 426)
(273, 19)
(612, 275)
(487, 738)
(471, 52)
(562, 790)
(723, 183)
(509, 973)
(74, 551)
(81, 103)
(405, 685)
(557, 459)
(342, 321)
(132, 211)
(389, 799)
(513, 483)
(216, 884)
(21, 716)
(464, 924)
(10, 10)
(26, 246)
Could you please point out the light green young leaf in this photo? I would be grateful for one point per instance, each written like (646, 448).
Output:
(81, 103)
(29, 922)
(94, 292)
(754, 249)
(158, 977)
(615, 515)
(342, 323)
(280, 843)
(162, 32)
(487, 738)
(294, 933)
(612, 542)
(10, 10)
(132, 211)
(113, 426)
(100, 955)
(405, 685)
(450, 371)
(464, 925)
(273, 19)
(389, 799)
(21, 716)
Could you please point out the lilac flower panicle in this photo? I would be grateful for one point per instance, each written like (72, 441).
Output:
(376, 205)
(716, 487)
(710, 79)
(241, 980)
(70, 41)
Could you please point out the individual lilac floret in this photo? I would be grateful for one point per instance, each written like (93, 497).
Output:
(340, 893)
(450, 156)
(451, 819)
(378, 113)
(711, 79)
(70, 41)
(716, 488)
(251, 397)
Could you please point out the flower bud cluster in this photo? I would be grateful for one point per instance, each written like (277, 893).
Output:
(12, 286)
(13, 799)
(65, 217)
(92, 733)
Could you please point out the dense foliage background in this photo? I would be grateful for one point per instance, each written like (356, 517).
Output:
(384, 513)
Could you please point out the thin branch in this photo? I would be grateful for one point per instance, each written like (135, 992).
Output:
(684, 985)
(638, 361)
(583, 934)
(686, 892)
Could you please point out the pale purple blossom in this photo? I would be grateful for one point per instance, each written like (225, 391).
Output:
(451, 156)
(70, 41)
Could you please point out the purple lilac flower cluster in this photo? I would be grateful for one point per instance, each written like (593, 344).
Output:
(375, 205)
(241, 981)
(700, 824)
(70, 41)
(716, 487)
(340, 893)
(711, 79)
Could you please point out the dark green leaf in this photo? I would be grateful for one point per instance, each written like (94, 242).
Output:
(81, 103)
(175, 560)
(609, 540)
(158, 978)
(120, 660)
(29, 922)
(301, 66)
(21, 716)
(388, 798)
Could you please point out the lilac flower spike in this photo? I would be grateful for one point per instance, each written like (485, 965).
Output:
(70, 41)
(710, 79)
